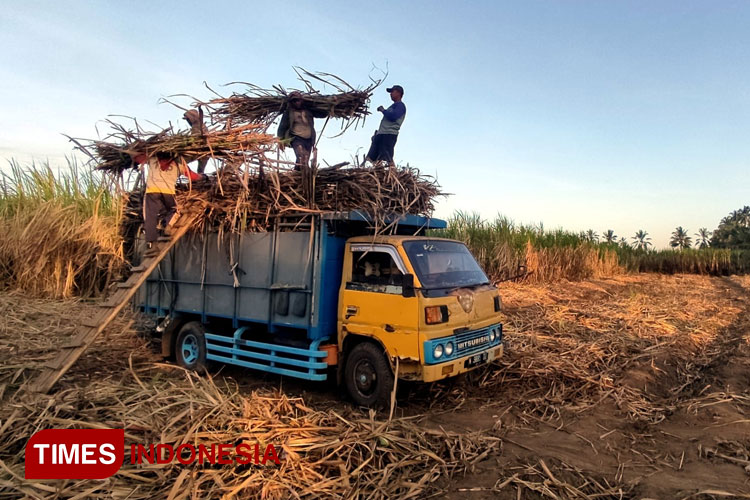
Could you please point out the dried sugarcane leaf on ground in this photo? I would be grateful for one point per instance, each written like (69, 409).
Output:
(635, 342)
(639, 380)
(327, 453)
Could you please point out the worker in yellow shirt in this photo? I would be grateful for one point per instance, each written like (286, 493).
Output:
(160, 204)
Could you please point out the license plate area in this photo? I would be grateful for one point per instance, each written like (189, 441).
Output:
(476, 360)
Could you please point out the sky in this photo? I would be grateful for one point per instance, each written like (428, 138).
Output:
(575, 114)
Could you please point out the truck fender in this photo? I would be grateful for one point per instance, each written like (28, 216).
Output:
(169, 334)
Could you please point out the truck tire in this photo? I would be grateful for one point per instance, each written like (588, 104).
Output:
(190, 347)
(368, 376)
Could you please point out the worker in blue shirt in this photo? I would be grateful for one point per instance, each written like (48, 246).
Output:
(384, 140)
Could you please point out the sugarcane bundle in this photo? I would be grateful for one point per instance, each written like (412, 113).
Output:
(116, 153)
(248, 108)
(256, 105)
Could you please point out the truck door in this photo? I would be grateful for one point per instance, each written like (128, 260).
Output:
(371, 299)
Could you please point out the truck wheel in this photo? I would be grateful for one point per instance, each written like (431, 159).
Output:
(369, 379)
(190, 347)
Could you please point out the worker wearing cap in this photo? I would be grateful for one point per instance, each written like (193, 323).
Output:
(194, 117)
(159, 202)
(297, 125)
(384, 140)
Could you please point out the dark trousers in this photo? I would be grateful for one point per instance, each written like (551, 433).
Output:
(202, 162)
(156, 207)
(202, 165)
(382, 147)
(302, 150)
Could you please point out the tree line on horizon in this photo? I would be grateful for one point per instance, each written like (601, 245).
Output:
(507, 250)
(732, 233)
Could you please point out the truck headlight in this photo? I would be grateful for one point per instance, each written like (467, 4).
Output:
(493, 336)
(438, 351)
(449, 348)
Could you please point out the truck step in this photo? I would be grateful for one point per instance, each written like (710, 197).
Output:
(308, 364)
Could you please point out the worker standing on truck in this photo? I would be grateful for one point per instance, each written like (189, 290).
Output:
(297, 125)
(384, 140)
(159, 203)
(194, 117)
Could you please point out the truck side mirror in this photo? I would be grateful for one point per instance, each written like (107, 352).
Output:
(407, 286)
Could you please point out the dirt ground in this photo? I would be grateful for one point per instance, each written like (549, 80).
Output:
(629, 387)
(684, 433)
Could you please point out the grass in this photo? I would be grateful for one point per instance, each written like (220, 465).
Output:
(713, 261)
(506, 249)
(60, 230)
(61, 239)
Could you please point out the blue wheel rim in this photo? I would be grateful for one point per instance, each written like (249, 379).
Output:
(189, 349)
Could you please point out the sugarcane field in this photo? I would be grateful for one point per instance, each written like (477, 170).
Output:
(228, 273)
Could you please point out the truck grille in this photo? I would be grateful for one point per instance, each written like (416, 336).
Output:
(469, 342)
(465, 343)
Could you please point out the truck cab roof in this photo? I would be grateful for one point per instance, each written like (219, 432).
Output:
(360, 224)
(393, 239)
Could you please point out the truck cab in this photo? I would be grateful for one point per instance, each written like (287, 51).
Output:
(424, 301)
(327, 295)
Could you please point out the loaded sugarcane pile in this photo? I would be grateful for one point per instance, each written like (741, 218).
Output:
(250, 186)
(235, 200)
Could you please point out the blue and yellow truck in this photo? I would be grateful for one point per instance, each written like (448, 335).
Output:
(326, 295)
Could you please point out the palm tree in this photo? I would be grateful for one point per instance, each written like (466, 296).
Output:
(624, 242)
(609, 236)
(592, 236)
(702, 238)
(742, 216)
(642, 240)
(680, 239)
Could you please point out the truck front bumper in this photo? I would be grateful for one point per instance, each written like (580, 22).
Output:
(431, 373)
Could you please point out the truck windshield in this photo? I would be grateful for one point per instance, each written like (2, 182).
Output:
(444, 264)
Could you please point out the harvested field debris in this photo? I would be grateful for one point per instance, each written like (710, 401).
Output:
(551, 414)
(629, 387)
(682, 360)
(325, 453)
(565, 482)
(574, 346)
